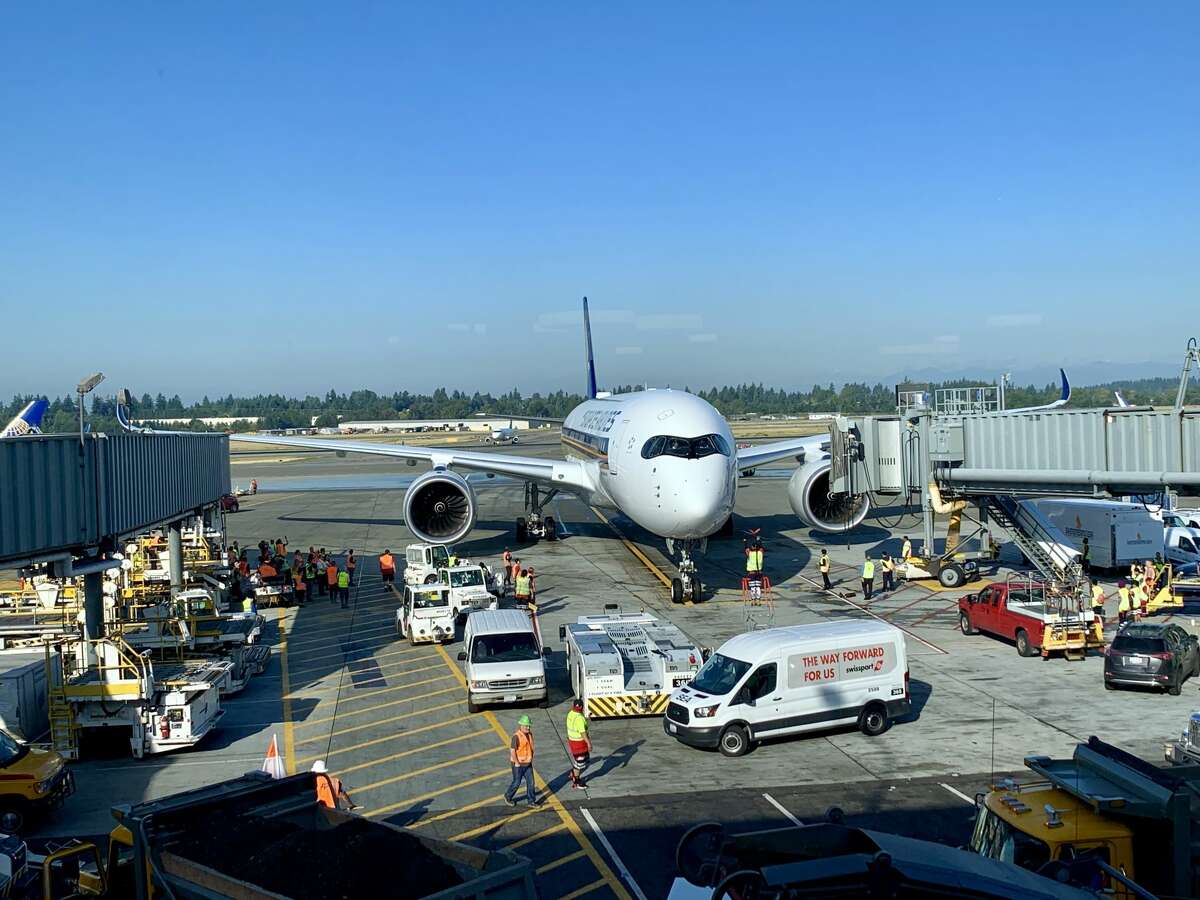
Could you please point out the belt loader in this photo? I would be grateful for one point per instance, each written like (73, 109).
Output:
(627, 664)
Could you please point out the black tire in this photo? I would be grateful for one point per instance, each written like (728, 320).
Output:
(952, 576)
(873, 720)
(696, 850)
(411, 642)
(835, 815)
(676, 590)
(12, 816)
(1109, 686)
(1175, 688)
(551, 532)
(740, 885)
(544, 703)
(734, 741)
(697, 590)
(431, 579)
(522, 531)
(472, 706)
(1023, 646)
(964, 624)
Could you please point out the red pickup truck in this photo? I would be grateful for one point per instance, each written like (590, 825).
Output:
(1013, 611)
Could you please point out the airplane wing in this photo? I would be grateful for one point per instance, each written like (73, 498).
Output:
(557, 472)
(750, 457)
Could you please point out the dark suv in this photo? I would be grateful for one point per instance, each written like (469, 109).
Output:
(1156, 655)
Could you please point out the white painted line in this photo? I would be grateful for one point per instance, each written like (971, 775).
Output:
(633, 885)
(958, 793)
(779, 806)
(837, 596)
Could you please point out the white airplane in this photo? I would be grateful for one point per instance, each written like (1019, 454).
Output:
(504, 435)
(664, 458)
(28, 420)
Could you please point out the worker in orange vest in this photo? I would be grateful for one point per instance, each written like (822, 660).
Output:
(331, 793)
(520, 757)
(352, 564)
(387, 567)
(331, 579)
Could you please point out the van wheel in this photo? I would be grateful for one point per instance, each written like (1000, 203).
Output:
(431, 578)
(964, 624)
(873, 721)
(551, 534)
(734, 741)
(952, 576)
(472, 706)
(411, 642)
(1175, 688)
(676, 590)
(12, 817)
(1023, 646)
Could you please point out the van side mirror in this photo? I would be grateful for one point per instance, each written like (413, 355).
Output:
(462, 655)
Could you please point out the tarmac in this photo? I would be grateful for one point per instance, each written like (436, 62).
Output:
(391, 719)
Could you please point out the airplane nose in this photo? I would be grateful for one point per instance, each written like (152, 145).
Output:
(701, 497)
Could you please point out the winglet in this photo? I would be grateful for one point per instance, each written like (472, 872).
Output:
(1066, 387)
(28, 420)
(591, 362)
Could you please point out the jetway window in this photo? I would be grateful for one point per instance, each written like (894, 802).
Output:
(685, 448)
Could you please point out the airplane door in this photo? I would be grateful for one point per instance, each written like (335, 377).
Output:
(618, 441)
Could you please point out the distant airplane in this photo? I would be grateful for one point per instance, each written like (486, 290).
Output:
(27, 421)
(504, 435)
(1121, 401)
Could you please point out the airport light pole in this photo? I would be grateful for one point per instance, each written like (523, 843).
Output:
(86, 387)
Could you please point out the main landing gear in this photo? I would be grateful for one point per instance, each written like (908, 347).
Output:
(686, 585)
(533, 524)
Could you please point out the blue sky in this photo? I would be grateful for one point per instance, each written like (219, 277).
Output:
(216, 197)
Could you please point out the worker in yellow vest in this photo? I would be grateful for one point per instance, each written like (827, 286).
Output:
(889, 573)
(906, 549)
(578, 741)
(1141, 599)
(754, 565)
(868, 576)
(343, 587)
(824, 566)
(523, 592)
(1123, 604)
(1098, 598)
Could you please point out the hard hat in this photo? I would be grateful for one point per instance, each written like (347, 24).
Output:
(524, 720)
(578, 704)
(319, 767)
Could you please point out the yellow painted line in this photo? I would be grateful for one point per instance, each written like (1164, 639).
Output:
(418, 712)
(632, 548)
(289, 747)
(392, 807)
(332, 692)
(586, 889)
(422, 749)
(561, 861)
(551, 799)
(361, 659)
(357, 635)
(391, 738)
(368, 654)
(545, 832)
(427, 769)
(458, 810)
(498, 824)
(378, 706)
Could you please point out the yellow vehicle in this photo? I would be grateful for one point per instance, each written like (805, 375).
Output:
(31, 781)
(1102, 820)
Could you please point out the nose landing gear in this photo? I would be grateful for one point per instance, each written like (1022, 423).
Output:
(533, 524)
(686, 585)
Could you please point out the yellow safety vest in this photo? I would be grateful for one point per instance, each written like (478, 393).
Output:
(1123, 606)
(247, 605)
(1097, 596)
(906, 550)
(343, 579)
(888, 565)
(754, 561)
(577, 726)
(522, 585)
(453, 561)
(868, 570)
(825, 564)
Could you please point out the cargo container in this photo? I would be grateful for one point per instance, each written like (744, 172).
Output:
(23, 700)
(1118, 533)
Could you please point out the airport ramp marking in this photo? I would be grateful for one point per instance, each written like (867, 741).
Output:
(957, 793)
(289, 743)
(783, 809)
(629, 879)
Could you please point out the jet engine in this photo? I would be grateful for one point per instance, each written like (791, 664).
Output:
(439, 507)
(808, 493)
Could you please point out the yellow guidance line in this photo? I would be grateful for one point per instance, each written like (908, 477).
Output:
(418, 712)
(551, 798)
(586, 889)
(388, 738)
(426, 770)
(328, 693)
(422, 749)
(561, 861)
(458, 810)
(342, 714)
(499, 823)
(537, 836)
(289, 748)
(392, 807)
(637, 552)
(366, 654)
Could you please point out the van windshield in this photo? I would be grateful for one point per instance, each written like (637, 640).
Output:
(441, 556)
(429, 599)
(492, 648)
(10, 750)
(466, 578)
(720, 675)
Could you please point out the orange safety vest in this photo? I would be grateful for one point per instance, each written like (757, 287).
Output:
(386, 563)
(331, 575)
(266, 570)
(328, 789)
(352, 562)
(279, 548)
(524, 750)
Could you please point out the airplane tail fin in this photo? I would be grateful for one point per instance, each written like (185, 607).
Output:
(591, 362)
(28, 420)
(1063, 398)
(1121, 401)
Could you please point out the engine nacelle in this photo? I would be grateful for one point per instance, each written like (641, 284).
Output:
(808, 493)
(439, 507)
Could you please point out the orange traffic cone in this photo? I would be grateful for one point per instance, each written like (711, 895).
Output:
(273, 764)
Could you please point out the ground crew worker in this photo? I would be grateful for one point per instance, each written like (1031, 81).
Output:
(310, 577)
(578, 742)
(1123, 602)
(824, 566)
(253, 485)
(506, 564)
(1140, 600)
(520, 757)
(889, 573)
(1085, 556)
(280, 547)
(1098, 598)
(514, 573)
(452, 560)
(868, 575)
(343, 587)
(266, 570)
(331, 793)
(387, 567)
(754, 565)
(906, 549)
(352, 564)
(532, 586)
(322, 577)
(300, 588)
(331, 579)
(524, 587)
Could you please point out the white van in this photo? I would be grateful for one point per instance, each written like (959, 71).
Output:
(1181, 545)
(425, 614)
(782, 681)
(503, 659)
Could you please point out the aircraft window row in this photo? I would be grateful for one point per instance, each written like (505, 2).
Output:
(591, 440)
(685, 448)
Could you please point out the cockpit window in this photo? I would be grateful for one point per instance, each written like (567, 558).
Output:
(685, 448)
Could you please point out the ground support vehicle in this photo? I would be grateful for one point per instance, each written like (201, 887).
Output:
(504, 659)
(1181, 545)
(106, 684)
(1023, 612)
(950, 571)
(832, 860)
(1117, 533)
(1186, 750)
(468, 588)
(1152, 654)
(1092, 817)
(779, 682)
(422, 561)
(425, 614)
(32, 781)
(627, 664)
(258, 838)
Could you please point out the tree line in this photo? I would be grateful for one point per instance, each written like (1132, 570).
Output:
(275, 411)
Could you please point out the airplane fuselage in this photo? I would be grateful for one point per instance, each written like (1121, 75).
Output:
(664, 458)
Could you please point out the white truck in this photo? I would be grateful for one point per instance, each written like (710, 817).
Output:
(1181, 545)
(422, 561)
(425, 614)
(1118, 533)
(627, 664)
(468, 588)
(1186, 750)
